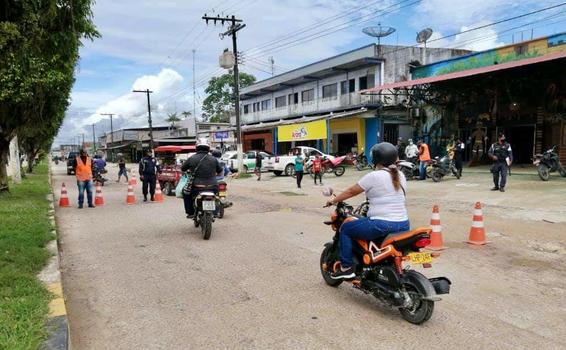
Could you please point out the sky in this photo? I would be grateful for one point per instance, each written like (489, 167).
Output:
(149, 45)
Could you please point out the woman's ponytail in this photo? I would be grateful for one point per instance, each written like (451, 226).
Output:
(394, 176)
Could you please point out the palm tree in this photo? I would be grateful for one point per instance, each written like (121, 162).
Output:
(172, 118)
(186, 114)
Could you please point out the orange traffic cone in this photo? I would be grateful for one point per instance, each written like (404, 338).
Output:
(134, 181)
(131, 198)
(98, 199)
(436, 241)
(477, 232)
(158, 194)
(64, 200)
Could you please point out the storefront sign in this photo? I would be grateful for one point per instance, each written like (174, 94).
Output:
(221, 135)
(302, 131)
(130, 135)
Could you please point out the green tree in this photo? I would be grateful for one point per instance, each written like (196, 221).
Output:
(39, 49)
(172, 118)
(219, 103)
(186, 114)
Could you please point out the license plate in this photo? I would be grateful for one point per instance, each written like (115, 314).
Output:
(420, 258)
(222, 194)
(208, 205)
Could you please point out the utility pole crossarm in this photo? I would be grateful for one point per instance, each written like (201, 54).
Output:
(147, 92)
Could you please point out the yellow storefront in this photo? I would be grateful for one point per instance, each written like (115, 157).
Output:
(347, 135)
(301, 134)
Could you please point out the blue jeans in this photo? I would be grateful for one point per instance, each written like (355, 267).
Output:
(366, 229)
(422, 170)
(85, 185)
(121, 172)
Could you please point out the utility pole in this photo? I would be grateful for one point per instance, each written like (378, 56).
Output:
(194, 89)
(111, 134)
(83, 144)
(93, 141)
(147, 92)
(235, 26)
(272, 63)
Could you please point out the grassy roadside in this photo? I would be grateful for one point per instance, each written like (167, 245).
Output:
(24, 230)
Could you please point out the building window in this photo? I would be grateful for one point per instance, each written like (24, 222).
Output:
(352, 83)
(246, 109)
(293, 98)
(265, 105)
(371, 81)
(307, 95)
(330, 90)
(363, 83)
(280, 101)
(256, 107)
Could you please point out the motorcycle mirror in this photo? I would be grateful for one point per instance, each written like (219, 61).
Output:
(327, 192)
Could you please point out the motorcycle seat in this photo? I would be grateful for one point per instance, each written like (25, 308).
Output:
(400, 236)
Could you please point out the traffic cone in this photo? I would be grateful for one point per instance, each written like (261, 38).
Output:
(436, 241)
(98, 199)
(477, 231)
(158, 194)
(64, 200)
(131, 198)
(133, 180)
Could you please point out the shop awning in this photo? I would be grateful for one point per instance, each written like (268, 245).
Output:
(467, 73)
(176, 149)
(117, 147)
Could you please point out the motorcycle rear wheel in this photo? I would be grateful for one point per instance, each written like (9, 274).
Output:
(325, 260)
(422, 310)
(206, 225)
(407, 172)
(562, 172)
(339, 171)
(543, 172)
(436, 176)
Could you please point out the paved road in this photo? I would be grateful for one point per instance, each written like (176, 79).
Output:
(141, 277)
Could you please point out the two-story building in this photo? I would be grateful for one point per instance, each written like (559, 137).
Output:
(319, 105)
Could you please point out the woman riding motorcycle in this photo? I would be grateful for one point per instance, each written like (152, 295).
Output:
(385, 190)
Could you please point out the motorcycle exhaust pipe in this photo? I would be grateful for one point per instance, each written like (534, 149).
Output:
(383, 291)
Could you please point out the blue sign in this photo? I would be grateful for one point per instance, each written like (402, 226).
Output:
(221, 135)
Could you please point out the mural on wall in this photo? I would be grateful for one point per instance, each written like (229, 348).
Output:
(534, 48)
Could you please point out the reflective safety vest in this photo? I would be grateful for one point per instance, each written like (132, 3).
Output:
(425, 155)
(84, 171)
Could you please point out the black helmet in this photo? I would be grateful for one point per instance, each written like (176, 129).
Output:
(216, 153)
(384, 153)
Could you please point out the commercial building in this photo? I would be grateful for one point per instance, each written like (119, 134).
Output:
(518, 89)
(320, 104)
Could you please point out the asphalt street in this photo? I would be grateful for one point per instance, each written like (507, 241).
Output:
(142, 277)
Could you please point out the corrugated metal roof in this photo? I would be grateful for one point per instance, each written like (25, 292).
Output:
(467, 73)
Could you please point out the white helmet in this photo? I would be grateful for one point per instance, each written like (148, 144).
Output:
(202, 145)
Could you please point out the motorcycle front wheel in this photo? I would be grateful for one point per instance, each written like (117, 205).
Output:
(327, 259)
(407, 172)
(206, 225)
(543, 172)
(436, 176)
(562, 172)
(221, 211)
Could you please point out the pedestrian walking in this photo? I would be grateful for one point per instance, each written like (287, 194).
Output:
(502, 155)
(424, 158)
(148, 169)
(459, 149)
(83, 173)
(317, 169)
(122, 169)
(299, 168)
(258, 160)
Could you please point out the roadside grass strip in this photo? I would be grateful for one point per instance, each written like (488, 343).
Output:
(25, 229)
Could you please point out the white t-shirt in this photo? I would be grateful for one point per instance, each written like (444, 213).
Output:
(384, 202)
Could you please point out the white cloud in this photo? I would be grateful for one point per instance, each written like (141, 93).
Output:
(478, 40)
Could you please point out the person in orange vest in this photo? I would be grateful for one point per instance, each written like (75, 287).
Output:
(317, 168)
(83, 172)
(424, 158)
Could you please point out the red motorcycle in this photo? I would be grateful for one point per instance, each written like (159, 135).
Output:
(329, 166)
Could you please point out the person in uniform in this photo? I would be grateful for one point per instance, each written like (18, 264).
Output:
(424, 158)
(459, 149)
(148, 174)
(502, 156)
(83, 172)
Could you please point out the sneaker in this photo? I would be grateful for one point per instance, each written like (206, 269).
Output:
(80, 206)
(152, 199)
(502, 189)
(190, 216)
(495, 188)
(145, 199)
(343, 275)
(91, 206)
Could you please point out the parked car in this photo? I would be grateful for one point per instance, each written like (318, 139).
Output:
(71, 162)
(285, 164)
(249, 160)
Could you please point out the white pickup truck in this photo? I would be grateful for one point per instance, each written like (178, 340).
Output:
(286, 164)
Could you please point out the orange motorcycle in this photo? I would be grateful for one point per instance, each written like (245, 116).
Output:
(380, 271)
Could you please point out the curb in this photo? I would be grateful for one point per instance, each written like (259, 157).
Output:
(57, 324)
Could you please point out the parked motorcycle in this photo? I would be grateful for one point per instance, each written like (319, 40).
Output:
(547, 163)
(329, 166)
(380, 272)
(361, 162)
(205, 206)
(442, 167)
(410, 168)
(223, 202)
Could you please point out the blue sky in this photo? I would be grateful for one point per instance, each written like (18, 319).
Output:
(148, 44)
